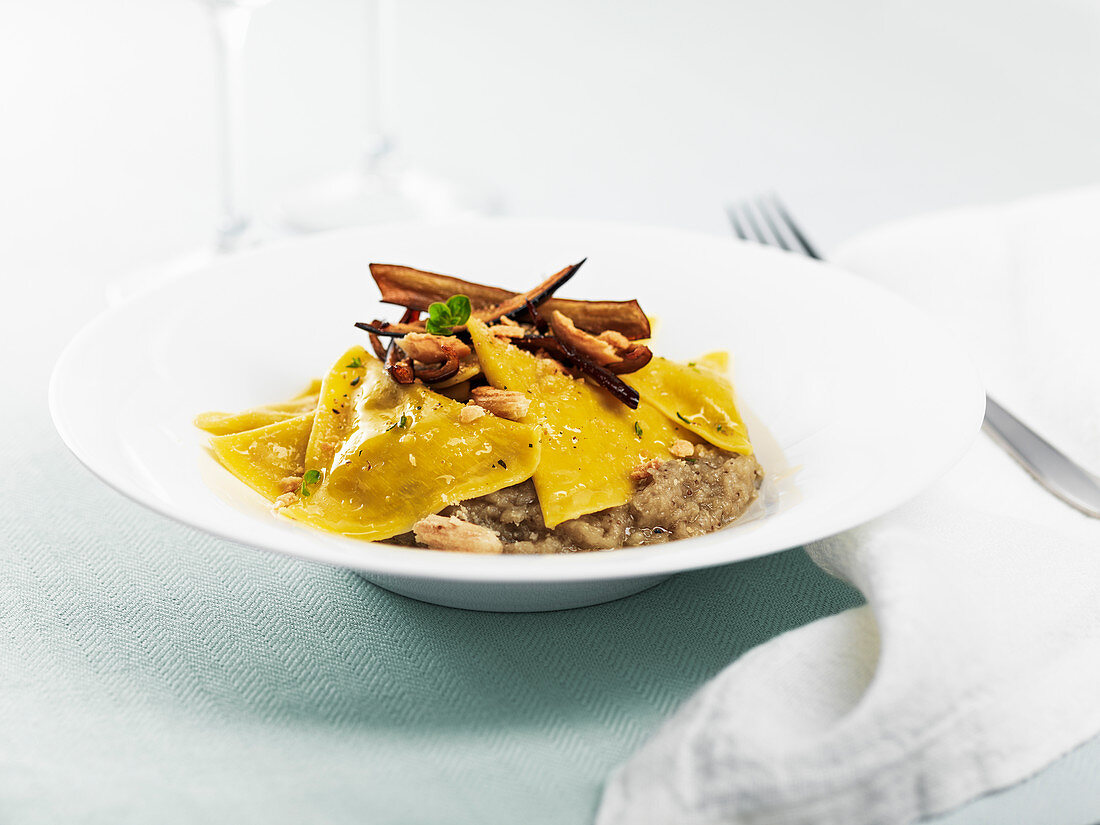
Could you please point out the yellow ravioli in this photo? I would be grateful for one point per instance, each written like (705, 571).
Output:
(383, 455)
(220, 423)
(264, 456)
(591, 442)
(697, 396)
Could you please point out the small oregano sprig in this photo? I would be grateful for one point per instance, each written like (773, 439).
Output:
(454, 313)
(311, 478)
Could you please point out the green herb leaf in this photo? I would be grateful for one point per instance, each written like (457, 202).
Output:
(682, 418)
(637, 429)
(443, 316)
(356, 381)
(437, 320)
(459, 305)
(354, 364)
(311, 477)
(403, 422)
(718, 427)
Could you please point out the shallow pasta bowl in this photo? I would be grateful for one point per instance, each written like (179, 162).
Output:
(854, 400)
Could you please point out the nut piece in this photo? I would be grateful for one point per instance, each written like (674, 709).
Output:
(283, 500)
(681, 448)
(290, 484)
(609, 349)
(507, 330)
(508, 404)
(598, 349)
(644, 472)
(431, 349)
(470, 413)
(616, 339)
(456, 535)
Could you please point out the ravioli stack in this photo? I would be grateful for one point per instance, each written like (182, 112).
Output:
(364, 456)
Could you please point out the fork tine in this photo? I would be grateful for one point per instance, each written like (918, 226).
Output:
(750, 219)
(762, 208)
(739, 230)
(807, 247)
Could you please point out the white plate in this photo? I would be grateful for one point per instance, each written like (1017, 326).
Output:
(855, 401)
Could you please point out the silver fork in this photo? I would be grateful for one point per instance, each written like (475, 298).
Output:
(767, 221)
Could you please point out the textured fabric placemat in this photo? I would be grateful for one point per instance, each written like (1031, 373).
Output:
(149, 673)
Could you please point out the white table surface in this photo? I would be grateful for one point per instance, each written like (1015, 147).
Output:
(857, 111)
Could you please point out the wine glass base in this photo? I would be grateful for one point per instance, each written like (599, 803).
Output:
(248, 235)
(145, 278)
(357, 198)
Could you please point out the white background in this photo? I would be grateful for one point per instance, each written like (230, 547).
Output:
(857, 112)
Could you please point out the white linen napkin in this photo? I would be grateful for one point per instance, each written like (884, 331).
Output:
(976, 660)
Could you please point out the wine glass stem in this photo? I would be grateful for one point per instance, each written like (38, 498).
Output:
(380, 81)
(230, 23)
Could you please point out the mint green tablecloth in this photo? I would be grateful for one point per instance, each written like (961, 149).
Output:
(149, 673)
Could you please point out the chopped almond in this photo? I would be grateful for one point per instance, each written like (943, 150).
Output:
(599, 350)
(290, 484)
(431, 349)
(508, 404)
(681, 448)
(470, 413)
(454, 534)
(616, 339)
(644, 472)
(503, 330)
(285, 499)
(609, 349)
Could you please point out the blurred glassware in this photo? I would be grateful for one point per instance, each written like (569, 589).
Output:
(383, 186)
(230, 20)
(235, 229)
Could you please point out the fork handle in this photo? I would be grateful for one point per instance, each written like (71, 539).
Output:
(1049, 466)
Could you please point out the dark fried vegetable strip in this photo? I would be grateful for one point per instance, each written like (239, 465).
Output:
(417, 289)
(521, 304)
(596, 316)
(632, 360)
(441, 371)
(546, 343)
(602, 376)
(400, 371)
(376, 345)
(536, 318)
(385, 328)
